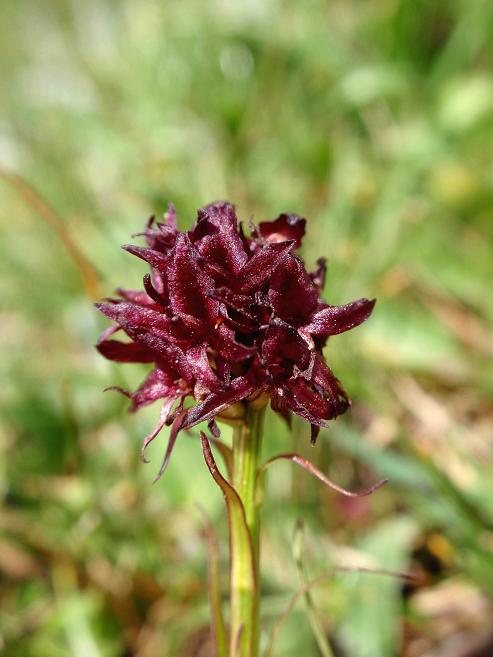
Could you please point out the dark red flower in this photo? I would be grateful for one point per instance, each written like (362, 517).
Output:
(227, 318)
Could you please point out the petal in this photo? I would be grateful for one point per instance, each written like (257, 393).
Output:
(314, 431)
(284, 346)
(278, 404)
(223, 369)
(125, 352)
(201, 367)
(108, 332)
(258, 269)
(177, 410)
(188, 283)
(214, 429)
(160, 282)
(238, 302)
(151, 329)
(336, 395)
(136, 319)
(170, 217)
(285, 227)
(158, 385)
(249, 245)
(216, 402)
(217, 238)
(151, 291)
(155, 258)
(175, 429)
(224, 250)
(220, 275)
(138, 297)
(337, 319)
(215, 218)
(225, 342)
(163, 416)
(161, 236)
(292, 294)
(307, 403)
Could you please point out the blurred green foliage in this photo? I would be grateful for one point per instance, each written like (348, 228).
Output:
(373, 118)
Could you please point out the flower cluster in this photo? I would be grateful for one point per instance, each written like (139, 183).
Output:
(227, 318)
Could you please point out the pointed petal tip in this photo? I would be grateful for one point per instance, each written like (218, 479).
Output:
(332, 320)
(107, 306)
(207, 452)
(108, 309)
(132, 248)
(154, 258)
(178, 424)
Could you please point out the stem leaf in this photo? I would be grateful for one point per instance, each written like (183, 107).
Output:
(218, 627)
(243, 570)
(309, 467)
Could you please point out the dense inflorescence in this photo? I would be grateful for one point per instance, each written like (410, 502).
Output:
(228, 318)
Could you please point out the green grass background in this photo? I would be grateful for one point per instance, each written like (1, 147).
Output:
(372, 118)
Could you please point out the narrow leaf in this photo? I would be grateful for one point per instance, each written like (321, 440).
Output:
(243, 573)
(308, 465)
(320, 579)
(226, 453)
(218, 627)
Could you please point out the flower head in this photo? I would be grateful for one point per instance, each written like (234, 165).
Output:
(226, 318)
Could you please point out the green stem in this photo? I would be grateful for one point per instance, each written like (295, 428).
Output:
(245, 595)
